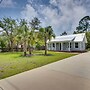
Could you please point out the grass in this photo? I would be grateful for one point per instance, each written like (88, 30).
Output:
(14, 63)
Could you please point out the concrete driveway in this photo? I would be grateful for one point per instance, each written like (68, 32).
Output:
(69, 74)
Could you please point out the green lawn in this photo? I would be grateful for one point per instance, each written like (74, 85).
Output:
(14, 63)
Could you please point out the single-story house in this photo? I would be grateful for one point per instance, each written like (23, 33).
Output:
(74, 42)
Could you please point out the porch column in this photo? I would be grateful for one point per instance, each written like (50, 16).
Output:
(55, 46)
(69, 46)
(61, 46)
(80, 46)
(51, 46)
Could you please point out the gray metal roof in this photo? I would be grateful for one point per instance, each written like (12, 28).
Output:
(73, 37)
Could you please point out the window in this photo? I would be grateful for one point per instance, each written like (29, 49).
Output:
(76, 45)
(49, 45)
(53, 44)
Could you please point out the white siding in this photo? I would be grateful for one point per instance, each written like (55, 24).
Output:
(64, 40)
(81, 46)
(65, 46)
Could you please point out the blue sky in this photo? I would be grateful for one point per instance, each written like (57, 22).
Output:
(62, 15)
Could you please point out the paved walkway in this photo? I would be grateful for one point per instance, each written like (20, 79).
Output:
(69, 74)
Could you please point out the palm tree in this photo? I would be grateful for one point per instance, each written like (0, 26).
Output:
(31, 40)
(34, 24)
(23, 31)
(3, 43)
(9, 28)
(47, 33)
(27, 35)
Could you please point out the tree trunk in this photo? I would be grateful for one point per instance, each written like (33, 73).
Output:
(45, 46)
(25, 53)
(30, 52)
(25, 48)
(12, 50)
(8, 46)
(17, 47)
(21, 47)
(29, 48)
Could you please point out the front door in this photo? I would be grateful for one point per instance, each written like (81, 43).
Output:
(65, 46)
(57, 46)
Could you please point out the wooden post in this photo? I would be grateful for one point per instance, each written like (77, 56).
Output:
(55, 46)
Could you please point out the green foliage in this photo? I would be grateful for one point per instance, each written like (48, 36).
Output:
(46, 34)
(2, 44)
(9, 31)
(64, 33)
(88, 39)
(38, 46)
(23, 33)
(84, 25)
(35, 23)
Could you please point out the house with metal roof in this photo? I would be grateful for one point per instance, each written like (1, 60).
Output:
(74, 42)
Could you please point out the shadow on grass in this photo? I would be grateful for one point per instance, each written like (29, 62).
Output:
(28, 55)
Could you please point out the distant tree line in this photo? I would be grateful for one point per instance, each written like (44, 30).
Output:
(63, 33)
(84, 27)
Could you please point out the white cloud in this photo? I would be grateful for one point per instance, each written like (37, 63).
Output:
(71, 14)
(78, 13)
(29, 12)
(65, 17)
(7, 3)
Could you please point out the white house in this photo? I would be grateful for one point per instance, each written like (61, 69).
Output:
(74, 42)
